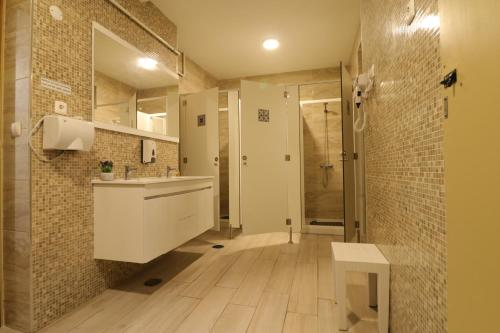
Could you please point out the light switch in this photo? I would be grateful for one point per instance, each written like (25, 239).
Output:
(61, 108)
(410, 12)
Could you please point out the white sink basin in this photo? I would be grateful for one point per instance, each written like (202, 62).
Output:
(150, 180)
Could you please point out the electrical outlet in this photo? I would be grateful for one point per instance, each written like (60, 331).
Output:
(61, 108)
(410, 12)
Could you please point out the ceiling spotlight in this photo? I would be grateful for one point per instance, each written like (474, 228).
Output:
(271, 44)
(147, 63)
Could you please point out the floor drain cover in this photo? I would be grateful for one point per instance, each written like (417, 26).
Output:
(218, 246)
(152, 282)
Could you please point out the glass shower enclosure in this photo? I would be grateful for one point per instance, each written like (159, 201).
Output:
(328, 157)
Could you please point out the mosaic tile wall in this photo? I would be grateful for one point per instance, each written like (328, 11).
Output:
(404, 160)
(64, 272)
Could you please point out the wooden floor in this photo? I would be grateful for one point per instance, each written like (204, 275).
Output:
(7, 330)
(254, 284)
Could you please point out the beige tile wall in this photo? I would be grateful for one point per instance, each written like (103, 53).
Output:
(404, 160)
(16, 176)
(322, 202)
(291, 78)
(63, 271)
(195, 79)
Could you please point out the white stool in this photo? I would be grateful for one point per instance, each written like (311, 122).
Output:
(366, 258)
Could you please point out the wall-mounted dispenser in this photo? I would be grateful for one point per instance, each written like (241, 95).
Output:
(148, 151)
(64, 133)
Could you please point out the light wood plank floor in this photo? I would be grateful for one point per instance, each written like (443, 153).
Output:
(257, 283)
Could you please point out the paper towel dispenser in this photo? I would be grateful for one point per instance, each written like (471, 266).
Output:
(148, 151)
(65, 133)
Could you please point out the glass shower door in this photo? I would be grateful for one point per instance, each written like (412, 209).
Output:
(350, 228)
(322, 157)
(328, 157)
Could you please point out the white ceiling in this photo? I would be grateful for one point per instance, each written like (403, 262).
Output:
(117, 59)
(225, 36)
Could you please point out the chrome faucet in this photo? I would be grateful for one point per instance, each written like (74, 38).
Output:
(128, 171)
(169, 168)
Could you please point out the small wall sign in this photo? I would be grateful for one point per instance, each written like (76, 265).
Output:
(202, 120)
(56, 86)
(263, 115)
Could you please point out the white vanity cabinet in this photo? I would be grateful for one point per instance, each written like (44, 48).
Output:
(140, 219)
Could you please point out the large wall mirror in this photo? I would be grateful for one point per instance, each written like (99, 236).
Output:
(133, 92)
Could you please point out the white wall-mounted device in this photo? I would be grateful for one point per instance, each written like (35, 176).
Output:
(64, 133)
(363, 84)
(56, 13)
(61, 107)
(16, 129)
(149, 153)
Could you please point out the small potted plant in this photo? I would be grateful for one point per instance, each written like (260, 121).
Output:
(106, 170)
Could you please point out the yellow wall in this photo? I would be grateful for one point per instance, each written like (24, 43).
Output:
(1, 155)
(470, 43)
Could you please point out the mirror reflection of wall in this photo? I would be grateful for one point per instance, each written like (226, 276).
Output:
(132, 89)
(152, 114)
(114, 101)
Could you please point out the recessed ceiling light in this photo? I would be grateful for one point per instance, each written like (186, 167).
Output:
(147, 63)
(271, 44)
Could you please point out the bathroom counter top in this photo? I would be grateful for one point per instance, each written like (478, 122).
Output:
(150, 180)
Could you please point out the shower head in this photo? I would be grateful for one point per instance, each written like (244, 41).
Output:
(328, 111)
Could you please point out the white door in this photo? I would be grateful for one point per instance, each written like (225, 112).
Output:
(469, 38)
(263, 126)
(234, 157)
(294, 172)
(199, 139)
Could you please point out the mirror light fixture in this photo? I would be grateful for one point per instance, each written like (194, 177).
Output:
(147, 63)
(271, 44)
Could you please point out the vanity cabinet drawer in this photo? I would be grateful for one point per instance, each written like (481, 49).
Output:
(139, 223)
(172, 220)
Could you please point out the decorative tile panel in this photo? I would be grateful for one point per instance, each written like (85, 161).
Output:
(263, 115)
